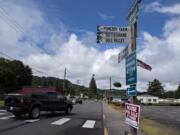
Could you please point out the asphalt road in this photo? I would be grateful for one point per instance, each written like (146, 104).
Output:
(168, 115)
(85, 119)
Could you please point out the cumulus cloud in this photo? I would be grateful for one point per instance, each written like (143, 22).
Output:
(157, 7)
(163, 54)
(20, 27)
(105, 17)
(53, 50)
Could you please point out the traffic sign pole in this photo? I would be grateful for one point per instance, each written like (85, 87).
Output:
(133, 48)
(132, 20)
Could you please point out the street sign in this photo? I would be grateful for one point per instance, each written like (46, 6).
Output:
(123, 54)
(113, 34)
(131, 91)
(112, 40)
(132, 114)
(112, 29)
(132, 15)
(131, 69)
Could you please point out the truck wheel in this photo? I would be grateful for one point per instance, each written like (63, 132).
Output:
(68, 110)
(35, 112)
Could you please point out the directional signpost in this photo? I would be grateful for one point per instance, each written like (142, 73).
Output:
(127, 35)
(132, 110)
(108, 34)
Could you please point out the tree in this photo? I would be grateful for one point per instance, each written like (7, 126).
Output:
(92, 88)
(169, 94)
(177, 92)
(155, 88)
(13, 75)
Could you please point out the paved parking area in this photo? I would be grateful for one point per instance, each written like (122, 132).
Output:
(168, 115)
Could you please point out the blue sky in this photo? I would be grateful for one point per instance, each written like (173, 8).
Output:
(50, 35)
(83, 15)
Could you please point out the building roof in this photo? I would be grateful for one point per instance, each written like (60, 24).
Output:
(28, 90)
(146, 95)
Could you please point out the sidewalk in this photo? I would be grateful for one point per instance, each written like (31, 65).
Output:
(114, 121)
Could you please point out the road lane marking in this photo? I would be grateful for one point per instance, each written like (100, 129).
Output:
(61, 121)
(2, 113)
(31, 121)
(7, 117)
(89, 124)
(105, 131)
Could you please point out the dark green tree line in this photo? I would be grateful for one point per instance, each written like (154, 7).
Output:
(13, 75)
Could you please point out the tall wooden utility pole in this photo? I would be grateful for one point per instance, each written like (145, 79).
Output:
(110, 83)
(64, 80)
(133, 48)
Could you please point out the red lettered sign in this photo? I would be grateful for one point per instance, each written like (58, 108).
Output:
(132, 113)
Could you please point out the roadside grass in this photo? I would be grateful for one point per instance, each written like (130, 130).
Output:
(150, 127)
(117, 106)
(1, 103)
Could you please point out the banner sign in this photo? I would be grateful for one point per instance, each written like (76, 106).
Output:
(132, 114)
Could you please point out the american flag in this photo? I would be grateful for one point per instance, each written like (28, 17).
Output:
(143, 65)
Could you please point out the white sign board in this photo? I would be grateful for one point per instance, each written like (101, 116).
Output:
(132, 114)
(112, 40)
(123, 54)
(112, 29)
(113, 34)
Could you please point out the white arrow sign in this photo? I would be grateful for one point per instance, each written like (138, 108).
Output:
(114, 40)
(123, 54)
(113, 34)
(112, 29)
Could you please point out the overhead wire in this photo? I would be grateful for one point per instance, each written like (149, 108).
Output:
(17, 28)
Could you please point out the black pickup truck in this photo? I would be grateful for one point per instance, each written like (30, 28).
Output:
(20, 104)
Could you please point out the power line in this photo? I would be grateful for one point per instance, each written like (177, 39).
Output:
(10, 58)
(15, 25)
(10, 18)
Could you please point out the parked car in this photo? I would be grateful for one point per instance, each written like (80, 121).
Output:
(20, 104)
(76, 100)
